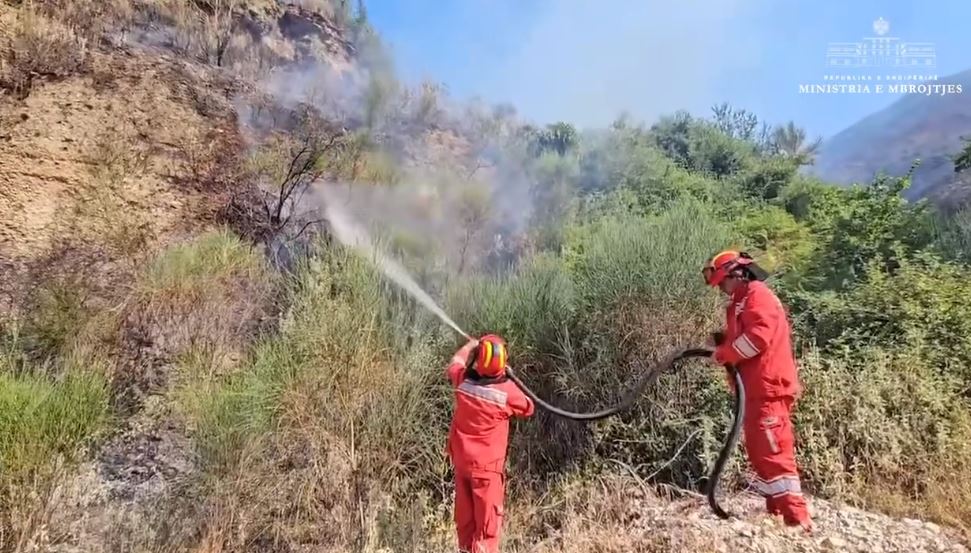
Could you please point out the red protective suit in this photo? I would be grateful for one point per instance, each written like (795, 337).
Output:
(758, 343)
(477, 443)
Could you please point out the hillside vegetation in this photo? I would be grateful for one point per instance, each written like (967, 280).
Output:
(189, 362)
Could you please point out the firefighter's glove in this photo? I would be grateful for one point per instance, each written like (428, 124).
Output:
(462, 355)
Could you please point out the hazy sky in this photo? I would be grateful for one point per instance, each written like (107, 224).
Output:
(585, 61)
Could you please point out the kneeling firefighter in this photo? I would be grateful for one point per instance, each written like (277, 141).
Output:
(757, 341)
(485, 400)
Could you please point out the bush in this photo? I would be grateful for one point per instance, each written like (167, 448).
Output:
(921, 307)
(205, 299)
(869, 223)
(884, 429)
(781, 244)
(38, 46)
(55, 316)
(342, 408)
(582, 329)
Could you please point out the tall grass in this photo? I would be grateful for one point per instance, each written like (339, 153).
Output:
(334, 416)
(41, 417)
(886, 430)
(45, 422)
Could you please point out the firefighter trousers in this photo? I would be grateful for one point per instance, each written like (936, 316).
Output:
(478, 509)
(770, 446)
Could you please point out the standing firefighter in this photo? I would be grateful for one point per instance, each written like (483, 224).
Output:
(484, 402)
(758, 343)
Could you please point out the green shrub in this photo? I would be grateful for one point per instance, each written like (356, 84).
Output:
(654, 260)
(922, 307)
(41, 418)
(583, 327)
(780, 243)
(874, 222)
(767, 178)
(339, 361)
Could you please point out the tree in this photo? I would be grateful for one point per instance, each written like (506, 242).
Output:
(287, 165)
(716, 153)
(766, 177)
(672, 134)
(962, 161)
(790, 141)
(559, 137)
(740, 124)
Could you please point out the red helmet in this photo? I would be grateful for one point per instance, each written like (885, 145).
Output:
(491, 356)
(723, 264)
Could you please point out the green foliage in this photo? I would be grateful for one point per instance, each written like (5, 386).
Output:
(922, 307)
(954, 236)
(582, 324)
(557, 137)
(781, 243)
(962, 161)
(766, 178)
(735, 123)
(702, 146)
(672, 135)
(552, 195)
(627, 161)
(190, 270)
(871, 223)
(340, 360)
(789, 141)
(625, 257)
(717, 154)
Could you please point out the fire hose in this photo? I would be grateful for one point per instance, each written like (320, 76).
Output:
(629, 398)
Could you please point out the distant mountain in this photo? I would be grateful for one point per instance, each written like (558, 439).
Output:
(916, 126)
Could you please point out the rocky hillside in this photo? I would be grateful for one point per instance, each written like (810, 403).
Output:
(928, 128)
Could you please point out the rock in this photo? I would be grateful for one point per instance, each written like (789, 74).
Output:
(912, 522)
(833, 543)
(932, 527)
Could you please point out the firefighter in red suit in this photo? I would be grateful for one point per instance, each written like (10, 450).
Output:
(484, 402)
(757, 342)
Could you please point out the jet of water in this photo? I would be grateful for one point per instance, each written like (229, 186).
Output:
(351, 234)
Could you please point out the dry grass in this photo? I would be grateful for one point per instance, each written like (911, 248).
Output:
(108, 211)
(887, 432)
(204, 299)
(945, 495)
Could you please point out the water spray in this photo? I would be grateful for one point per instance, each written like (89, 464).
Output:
(352, 235)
